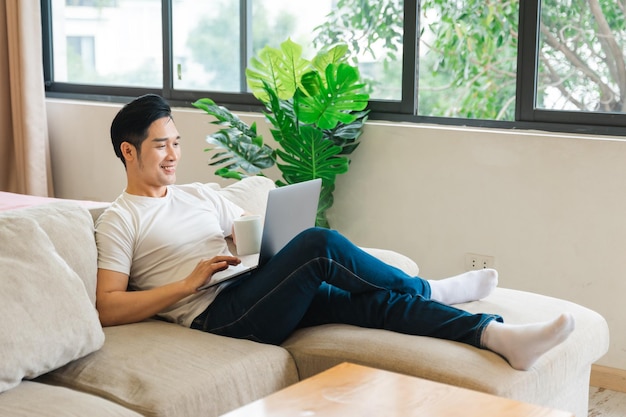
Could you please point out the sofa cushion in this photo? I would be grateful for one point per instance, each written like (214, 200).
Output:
(162, 369)
(33, 399)
(70, 228)
(250, 193)
(406, 264)
(48, 320)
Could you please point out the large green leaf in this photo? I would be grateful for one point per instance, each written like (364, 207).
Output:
(347, 135)
(225, 117)
(310, 156)
(234, 150)
(238, 150)
(281, 69)
(336, 55)
(329, 104)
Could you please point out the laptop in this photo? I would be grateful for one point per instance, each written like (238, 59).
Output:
(290, 210)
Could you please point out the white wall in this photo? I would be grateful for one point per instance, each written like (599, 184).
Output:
(549, 208)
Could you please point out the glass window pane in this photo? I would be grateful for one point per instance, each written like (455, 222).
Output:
(373, 30)
(581, 56)
(468, 59)
(108, 42)
(206, 45)
(273, 21)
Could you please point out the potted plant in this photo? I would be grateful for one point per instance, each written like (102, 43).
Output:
(317, 110)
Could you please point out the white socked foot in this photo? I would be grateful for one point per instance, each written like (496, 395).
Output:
(463, 288)
(522, 345)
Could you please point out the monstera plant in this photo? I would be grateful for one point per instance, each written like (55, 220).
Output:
(317, 109)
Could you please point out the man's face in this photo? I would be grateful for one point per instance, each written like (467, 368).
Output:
(155, 166)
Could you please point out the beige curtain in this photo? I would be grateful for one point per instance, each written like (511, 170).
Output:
(24, 150)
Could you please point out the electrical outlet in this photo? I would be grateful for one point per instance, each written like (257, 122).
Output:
(475, 261)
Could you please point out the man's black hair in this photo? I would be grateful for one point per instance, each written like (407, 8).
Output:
(132, 122)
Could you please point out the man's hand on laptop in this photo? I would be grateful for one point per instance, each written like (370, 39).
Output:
(205, 269)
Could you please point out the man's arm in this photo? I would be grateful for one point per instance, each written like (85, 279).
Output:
(117, 306)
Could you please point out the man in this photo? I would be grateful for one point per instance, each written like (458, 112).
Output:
(159, 242)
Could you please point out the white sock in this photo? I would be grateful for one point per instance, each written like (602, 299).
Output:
(522, 345)
(463, 288)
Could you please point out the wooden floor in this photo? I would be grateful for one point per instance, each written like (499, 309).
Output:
(606, 403)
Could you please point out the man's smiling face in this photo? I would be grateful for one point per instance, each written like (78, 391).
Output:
(154, 168)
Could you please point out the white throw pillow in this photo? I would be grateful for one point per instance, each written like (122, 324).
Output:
(70, 229)
(47, 318)
(250, 193)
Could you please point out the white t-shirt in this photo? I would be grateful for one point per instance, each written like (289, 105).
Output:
(156, 241)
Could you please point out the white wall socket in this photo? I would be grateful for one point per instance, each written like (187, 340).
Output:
(475, 261)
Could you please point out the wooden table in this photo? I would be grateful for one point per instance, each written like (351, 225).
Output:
(354, 390)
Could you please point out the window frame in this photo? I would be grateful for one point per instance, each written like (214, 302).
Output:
(405, 110)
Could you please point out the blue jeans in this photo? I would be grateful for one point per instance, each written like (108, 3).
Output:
(320, 277)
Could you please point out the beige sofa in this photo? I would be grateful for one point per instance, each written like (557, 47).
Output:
(57, 360)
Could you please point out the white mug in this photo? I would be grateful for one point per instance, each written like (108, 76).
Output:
(248, 231)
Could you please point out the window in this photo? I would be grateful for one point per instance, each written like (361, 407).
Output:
(205, 46)
(581, 56)
(468, 59)
(551, 64)
(117, 45)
